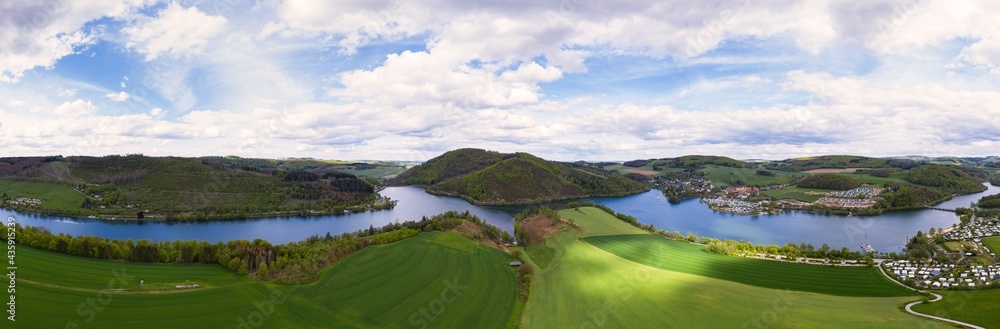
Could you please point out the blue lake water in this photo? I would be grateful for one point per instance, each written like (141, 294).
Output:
(887, 232)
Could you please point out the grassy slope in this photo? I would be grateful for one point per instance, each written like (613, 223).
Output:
(378, 287)
(980, 307)
(793, 192)
(691, 258)
(56, 196)
(749, 176)
(586, 285)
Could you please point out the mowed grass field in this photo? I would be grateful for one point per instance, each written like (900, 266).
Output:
(437, 279)
(56, 196)
(979, 307)
(690, 258)
(587, 287)
(749, 176)
(792, 192)
(993, 243)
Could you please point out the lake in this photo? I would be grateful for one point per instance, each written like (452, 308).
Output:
(887, 232)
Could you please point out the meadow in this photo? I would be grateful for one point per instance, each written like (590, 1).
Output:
(56, 196)
(793, 192)
(586, 286)
(691, 258)
(437, 279)
(980, 307)
(993, 243)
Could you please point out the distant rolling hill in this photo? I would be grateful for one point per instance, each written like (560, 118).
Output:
(486, 177)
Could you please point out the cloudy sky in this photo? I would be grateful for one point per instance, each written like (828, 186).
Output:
(564, 79)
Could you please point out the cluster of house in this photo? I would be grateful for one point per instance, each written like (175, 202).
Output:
(846, 203)
(742, 191)
(864, 192)
(943, 276)
(862, 197)
(22, 201)
(693, 184)
(974, 230)
(734, 206)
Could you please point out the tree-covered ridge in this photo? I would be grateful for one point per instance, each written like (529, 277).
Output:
(990, 201)
(995, 180)
(829, 182)
(695, 161)
(841, 162)
(515, 178)
(950, 179)
(907, 196)
(192, 188)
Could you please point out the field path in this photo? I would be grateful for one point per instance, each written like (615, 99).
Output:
(936, 298)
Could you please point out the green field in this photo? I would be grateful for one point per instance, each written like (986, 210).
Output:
(588, 287)
(724, 175)
(993, 243)
(980, 307)
(897, 177)
(56, 196)
(440, 279)
(691, 258)
(377, 172)
(793, 192)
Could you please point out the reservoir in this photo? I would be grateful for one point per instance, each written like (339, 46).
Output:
(887, 232)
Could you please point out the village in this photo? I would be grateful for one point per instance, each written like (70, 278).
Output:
(22, 201)
(935, 275)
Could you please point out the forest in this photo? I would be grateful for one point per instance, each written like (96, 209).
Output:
(175, 188)
(950, 179)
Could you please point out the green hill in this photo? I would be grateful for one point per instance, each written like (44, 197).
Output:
(950, 179)
(829, 182)
(486, 177)
(181, 188)
(696, 161)
(841, 162)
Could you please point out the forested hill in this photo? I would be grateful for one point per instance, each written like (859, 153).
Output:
(486, 177)
(181, 188)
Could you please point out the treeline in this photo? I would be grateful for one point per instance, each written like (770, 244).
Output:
(296, 262)
(995, 180)
(989, 201)
(829, 182)
(791, 250)
(950, 179)
(907, 196)
(878, 172)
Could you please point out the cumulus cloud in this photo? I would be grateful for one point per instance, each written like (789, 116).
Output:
(175, 31)
(118, 97)
(74, 109)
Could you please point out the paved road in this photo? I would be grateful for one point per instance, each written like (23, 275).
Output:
(936, 298)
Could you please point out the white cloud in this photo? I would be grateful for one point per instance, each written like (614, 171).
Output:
(68, 93)
(77, 108)
(118, 97)
(38, 33)
(175, 31)
(156, 111)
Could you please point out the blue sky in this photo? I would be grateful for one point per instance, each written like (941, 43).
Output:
(566, 80)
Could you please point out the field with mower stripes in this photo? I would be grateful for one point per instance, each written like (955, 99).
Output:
(455, 281)
(692, 259)
(587, 287)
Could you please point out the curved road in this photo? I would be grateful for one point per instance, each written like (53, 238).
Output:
(937, 297)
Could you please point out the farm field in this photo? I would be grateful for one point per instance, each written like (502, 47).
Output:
(897, 177)
(378, 172)
(598, 289)
(690, 258)
(456, 283)
(793, 192)
(725, 175)
(56, 196)
(980, 307)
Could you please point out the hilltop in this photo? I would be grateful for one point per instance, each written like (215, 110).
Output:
(138, 186)
(486, 177)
